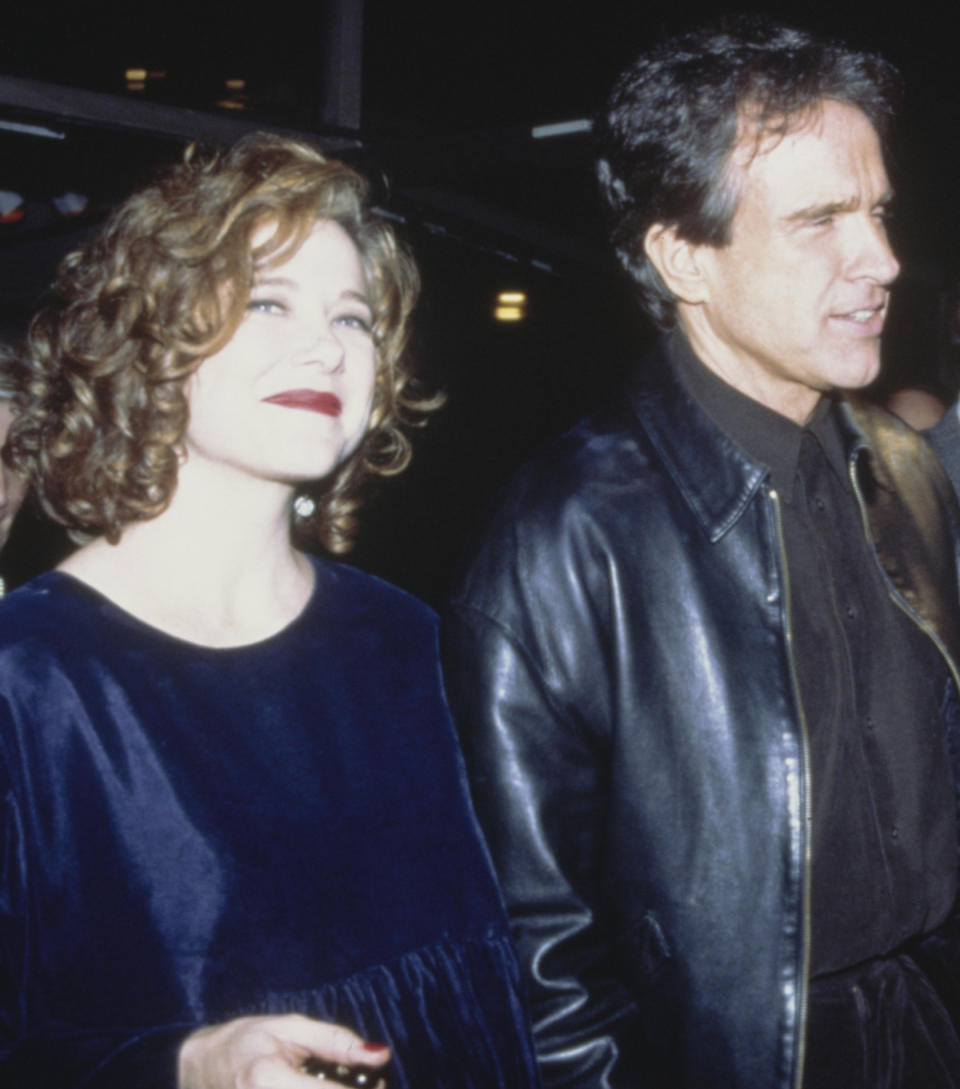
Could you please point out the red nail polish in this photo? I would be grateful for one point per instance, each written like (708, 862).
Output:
(370, 1046)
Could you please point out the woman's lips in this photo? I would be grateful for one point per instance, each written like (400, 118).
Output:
(327, 404)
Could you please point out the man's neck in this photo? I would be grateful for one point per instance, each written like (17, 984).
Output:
(787, 398)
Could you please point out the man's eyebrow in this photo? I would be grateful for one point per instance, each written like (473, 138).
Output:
(823, 211)
(835, 208)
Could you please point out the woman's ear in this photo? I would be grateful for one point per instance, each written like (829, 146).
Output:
(677, 260)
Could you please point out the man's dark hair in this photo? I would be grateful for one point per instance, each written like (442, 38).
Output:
(672, 121)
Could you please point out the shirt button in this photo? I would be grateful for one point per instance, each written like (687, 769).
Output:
(851, 612)
(819, 503)
(894, 832)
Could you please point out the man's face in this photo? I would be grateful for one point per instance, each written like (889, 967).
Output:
(11, 487)
(795, 304)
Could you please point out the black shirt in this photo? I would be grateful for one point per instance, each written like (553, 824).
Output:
(871, 689)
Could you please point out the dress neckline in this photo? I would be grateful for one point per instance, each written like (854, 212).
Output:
(116, 613)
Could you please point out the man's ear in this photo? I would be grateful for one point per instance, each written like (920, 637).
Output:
(677, 260)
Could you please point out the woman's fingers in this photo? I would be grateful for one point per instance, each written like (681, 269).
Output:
(332, 1054)
(327, 1040)
(271, 1053)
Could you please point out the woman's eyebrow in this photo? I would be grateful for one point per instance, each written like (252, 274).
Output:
(358, 295)
(272, 281)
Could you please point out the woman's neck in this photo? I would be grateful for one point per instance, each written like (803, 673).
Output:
(217, 567)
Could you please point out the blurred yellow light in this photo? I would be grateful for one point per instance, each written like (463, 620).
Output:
(235, 84)
(508, 313)
(230, 104)
(517, 298)
(135, 75)
(136, 85)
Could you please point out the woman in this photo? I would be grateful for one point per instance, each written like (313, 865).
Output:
(236, 838)
(11, 487)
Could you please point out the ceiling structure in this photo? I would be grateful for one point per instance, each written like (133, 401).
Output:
(477, 114)
(474, 123)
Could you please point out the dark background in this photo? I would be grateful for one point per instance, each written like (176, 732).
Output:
(438, 104)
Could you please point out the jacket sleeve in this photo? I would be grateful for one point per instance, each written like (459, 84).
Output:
(539, 780)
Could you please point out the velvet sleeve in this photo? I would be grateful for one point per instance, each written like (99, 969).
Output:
(58, 1055)
(12, 912)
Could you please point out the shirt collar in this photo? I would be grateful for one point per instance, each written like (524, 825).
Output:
(762, 434)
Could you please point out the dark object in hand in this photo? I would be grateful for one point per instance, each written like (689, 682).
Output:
(362, 1077)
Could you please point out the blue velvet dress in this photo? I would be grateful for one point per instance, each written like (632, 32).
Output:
(191, 835)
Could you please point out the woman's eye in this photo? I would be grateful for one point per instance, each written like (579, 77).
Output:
(355, 321)
(265, 306)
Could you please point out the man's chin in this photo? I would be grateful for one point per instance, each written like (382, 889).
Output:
(856, 370)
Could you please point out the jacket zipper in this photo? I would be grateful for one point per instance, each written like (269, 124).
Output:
(803, 981)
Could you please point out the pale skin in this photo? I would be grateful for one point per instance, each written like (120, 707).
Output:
(217, 568)
(268, 1053)
(794, 306)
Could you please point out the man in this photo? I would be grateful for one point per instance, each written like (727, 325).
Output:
(704, 658)
(11, 487)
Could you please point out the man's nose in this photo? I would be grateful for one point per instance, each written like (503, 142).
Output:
(875, 258)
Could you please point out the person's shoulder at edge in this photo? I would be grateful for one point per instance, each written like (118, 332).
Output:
(948, 426)
(908, 455)
(35, 607)
(944, 437)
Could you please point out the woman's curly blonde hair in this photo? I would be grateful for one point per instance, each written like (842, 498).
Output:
(164, 285)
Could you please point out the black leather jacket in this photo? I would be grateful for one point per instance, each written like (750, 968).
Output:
(619, 660)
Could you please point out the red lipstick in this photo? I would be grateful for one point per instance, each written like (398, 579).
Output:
(327, 404)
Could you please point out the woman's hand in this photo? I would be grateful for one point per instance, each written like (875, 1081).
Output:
(269, 1053)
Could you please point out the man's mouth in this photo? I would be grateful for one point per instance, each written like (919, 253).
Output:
(866, 319)
(863, 315)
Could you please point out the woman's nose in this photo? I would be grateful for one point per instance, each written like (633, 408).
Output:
(326, 349)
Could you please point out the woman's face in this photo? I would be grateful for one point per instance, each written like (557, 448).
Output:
(11, 486)
(289, 397)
